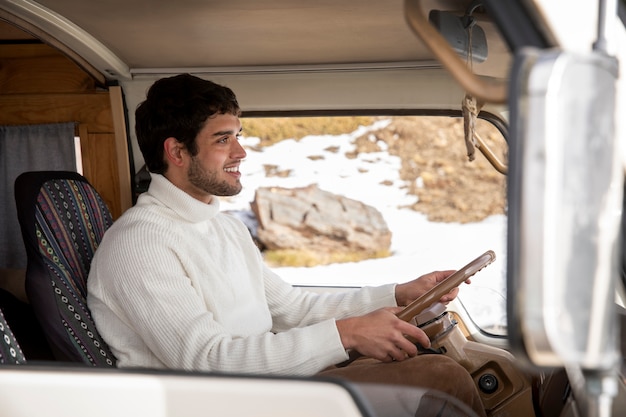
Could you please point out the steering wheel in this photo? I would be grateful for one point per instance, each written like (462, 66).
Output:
(435, 293)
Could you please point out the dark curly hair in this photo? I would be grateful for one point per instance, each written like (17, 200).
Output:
(178, 107)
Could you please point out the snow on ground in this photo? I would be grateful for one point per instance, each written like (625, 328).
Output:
(418, 246)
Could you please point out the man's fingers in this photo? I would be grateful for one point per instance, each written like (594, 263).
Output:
(417, 335)
(449, 296)
(395, 310)
(396, 355)
(442, 275)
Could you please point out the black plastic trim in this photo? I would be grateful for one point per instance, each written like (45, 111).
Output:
(517, 26)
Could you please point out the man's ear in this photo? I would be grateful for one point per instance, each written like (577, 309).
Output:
(173, 151)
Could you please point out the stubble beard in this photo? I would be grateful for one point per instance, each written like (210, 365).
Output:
(209, 181)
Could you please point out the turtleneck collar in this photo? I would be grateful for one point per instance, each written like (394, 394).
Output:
(185, 206)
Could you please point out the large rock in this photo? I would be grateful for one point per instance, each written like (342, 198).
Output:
(316, 220)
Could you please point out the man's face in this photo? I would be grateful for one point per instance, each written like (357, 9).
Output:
(215, 169)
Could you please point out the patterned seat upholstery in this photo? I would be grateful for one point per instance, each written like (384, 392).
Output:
(63, 219)
(10, 352)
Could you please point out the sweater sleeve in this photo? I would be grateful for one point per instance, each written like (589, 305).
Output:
(292, 307)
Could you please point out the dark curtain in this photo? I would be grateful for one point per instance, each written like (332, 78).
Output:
(28, 148)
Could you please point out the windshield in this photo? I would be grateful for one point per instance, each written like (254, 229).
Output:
(441, 209)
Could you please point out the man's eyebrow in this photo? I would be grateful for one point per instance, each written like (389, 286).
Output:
(227, 132)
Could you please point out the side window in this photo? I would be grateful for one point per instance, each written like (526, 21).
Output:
(354, 201)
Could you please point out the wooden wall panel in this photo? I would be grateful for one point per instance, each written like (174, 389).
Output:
(90, 108)
(40, 85)
(100, 165)
(121, 147)
(37, 68)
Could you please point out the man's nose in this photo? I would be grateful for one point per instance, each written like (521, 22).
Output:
(238, 151)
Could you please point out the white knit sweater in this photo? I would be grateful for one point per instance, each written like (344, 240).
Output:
(177, 284)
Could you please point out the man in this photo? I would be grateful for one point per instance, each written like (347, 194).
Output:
(177, 284)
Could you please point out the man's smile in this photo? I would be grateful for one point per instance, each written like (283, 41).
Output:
(233, 170)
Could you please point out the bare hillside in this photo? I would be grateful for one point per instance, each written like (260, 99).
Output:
(450, 188)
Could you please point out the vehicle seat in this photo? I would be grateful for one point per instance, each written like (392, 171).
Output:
(63, 219)
(25, 327)
(10, 352)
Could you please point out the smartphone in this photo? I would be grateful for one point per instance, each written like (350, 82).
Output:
(435, 293)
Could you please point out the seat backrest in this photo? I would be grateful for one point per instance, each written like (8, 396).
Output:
(63, 219)
(10, 352)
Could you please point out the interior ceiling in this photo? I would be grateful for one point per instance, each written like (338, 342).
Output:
(203, 33)
(157, 34)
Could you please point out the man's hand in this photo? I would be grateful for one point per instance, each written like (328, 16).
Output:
(381, 335)
(410, 291)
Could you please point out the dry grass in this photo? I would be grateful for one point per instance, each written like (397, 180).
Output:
(307, 258)
(272, 130)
